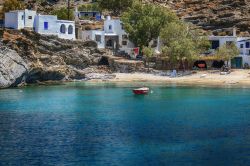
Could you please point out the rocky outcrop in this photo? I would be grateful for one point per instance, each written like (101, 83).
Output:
(29, 57)
(13, 69)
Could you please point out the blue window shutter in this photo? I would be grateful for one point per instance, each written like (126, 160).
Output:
(46, 25)
(247, 44)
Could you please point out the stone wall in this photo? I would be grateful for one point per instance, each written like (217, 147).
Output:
(121, 65)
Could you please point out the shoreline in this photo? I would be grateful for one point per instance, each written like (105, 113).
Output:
(239, 77)
(210, 78)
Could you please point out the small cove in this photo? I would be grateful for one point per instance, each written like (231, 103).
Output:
(105, 124)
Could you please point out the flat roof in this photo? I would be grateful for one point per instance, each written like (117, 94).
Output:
(12, 11)
(243, 40)
(88, 12)
(68, 21)
(41, 15)
(111, 34)
(223, 36)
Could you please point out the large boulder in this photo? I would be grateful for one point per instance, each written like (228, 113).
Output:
(13, 69)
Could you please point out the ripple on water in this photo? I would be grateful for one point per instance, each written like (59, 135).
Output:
(82, 124)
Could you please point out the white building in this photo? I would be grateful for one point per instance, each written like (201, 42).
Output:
(46, 25)
(112, 36)
(243, 43)
(50, 25)
(42, 24)
(20, 19)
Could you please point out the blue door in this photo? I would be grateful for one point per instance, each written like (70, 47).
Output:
(236, 62)
(46, 25)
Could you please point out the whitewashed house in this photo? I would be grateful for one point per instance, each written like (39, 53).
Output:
(112, 36)
(42, 24)
(20, 19)
(243, 43)
(50, 25)
(46, 25)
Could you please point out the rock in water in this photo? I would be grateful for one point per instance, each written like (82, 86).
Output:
(12, 68)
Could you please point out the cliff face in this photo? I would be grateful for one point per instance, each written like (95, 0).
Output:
(12, 68)
(217, 16)
(29, 57)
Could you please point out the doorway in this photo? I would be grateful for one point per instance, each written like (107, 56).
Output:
(236, 62)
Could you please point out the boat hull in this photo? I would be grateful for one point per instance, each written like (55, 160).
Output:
(142, 91)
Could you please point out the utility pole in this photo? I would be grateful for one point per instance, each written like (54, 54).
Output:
(68, 8)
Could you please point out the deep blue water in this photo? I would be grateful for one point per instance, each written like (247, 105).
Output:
(105, 124)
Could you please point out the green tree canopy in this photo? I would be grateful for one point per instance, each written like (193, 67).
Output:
(62, 13)
(89, 7)
(143, 22)
(115, 6)
(180, 42)
(227, 52)
(9, 5)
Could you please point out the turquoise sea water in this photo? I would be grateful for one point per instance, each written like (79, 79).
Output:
(105, 124)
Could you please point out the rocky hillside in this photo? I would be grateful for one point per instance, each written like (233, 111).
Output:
(215, 16)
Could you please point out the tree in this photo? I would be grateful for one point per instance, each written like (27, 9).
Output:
(227, 52)
(115, 6)
(9, 5)
(143, 22)
(89, 7)
(62, 13)
(181, 43)
(148, 52)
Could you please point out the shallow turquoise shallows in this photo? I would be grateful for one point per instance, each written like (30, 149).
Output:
(105, 124)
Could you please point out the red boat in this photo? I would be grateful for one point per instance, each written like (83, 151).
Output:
(141, 91)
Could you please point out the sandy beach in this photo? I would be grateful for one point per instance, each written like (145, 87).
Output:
(210, 77)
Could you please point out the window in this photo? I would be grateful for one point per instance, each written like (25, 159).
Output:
(249, 52)
(70, 29)
(22, 17)
(124, 43)
(110, 27)
(30, 17)
(247, 44)
(215, 44)
(63, 28)
(241, 45)
(46, 25)
(98, 38)
(122, 25)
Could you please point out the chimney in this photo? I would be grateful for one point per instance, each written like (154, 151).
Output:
(234, 32)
